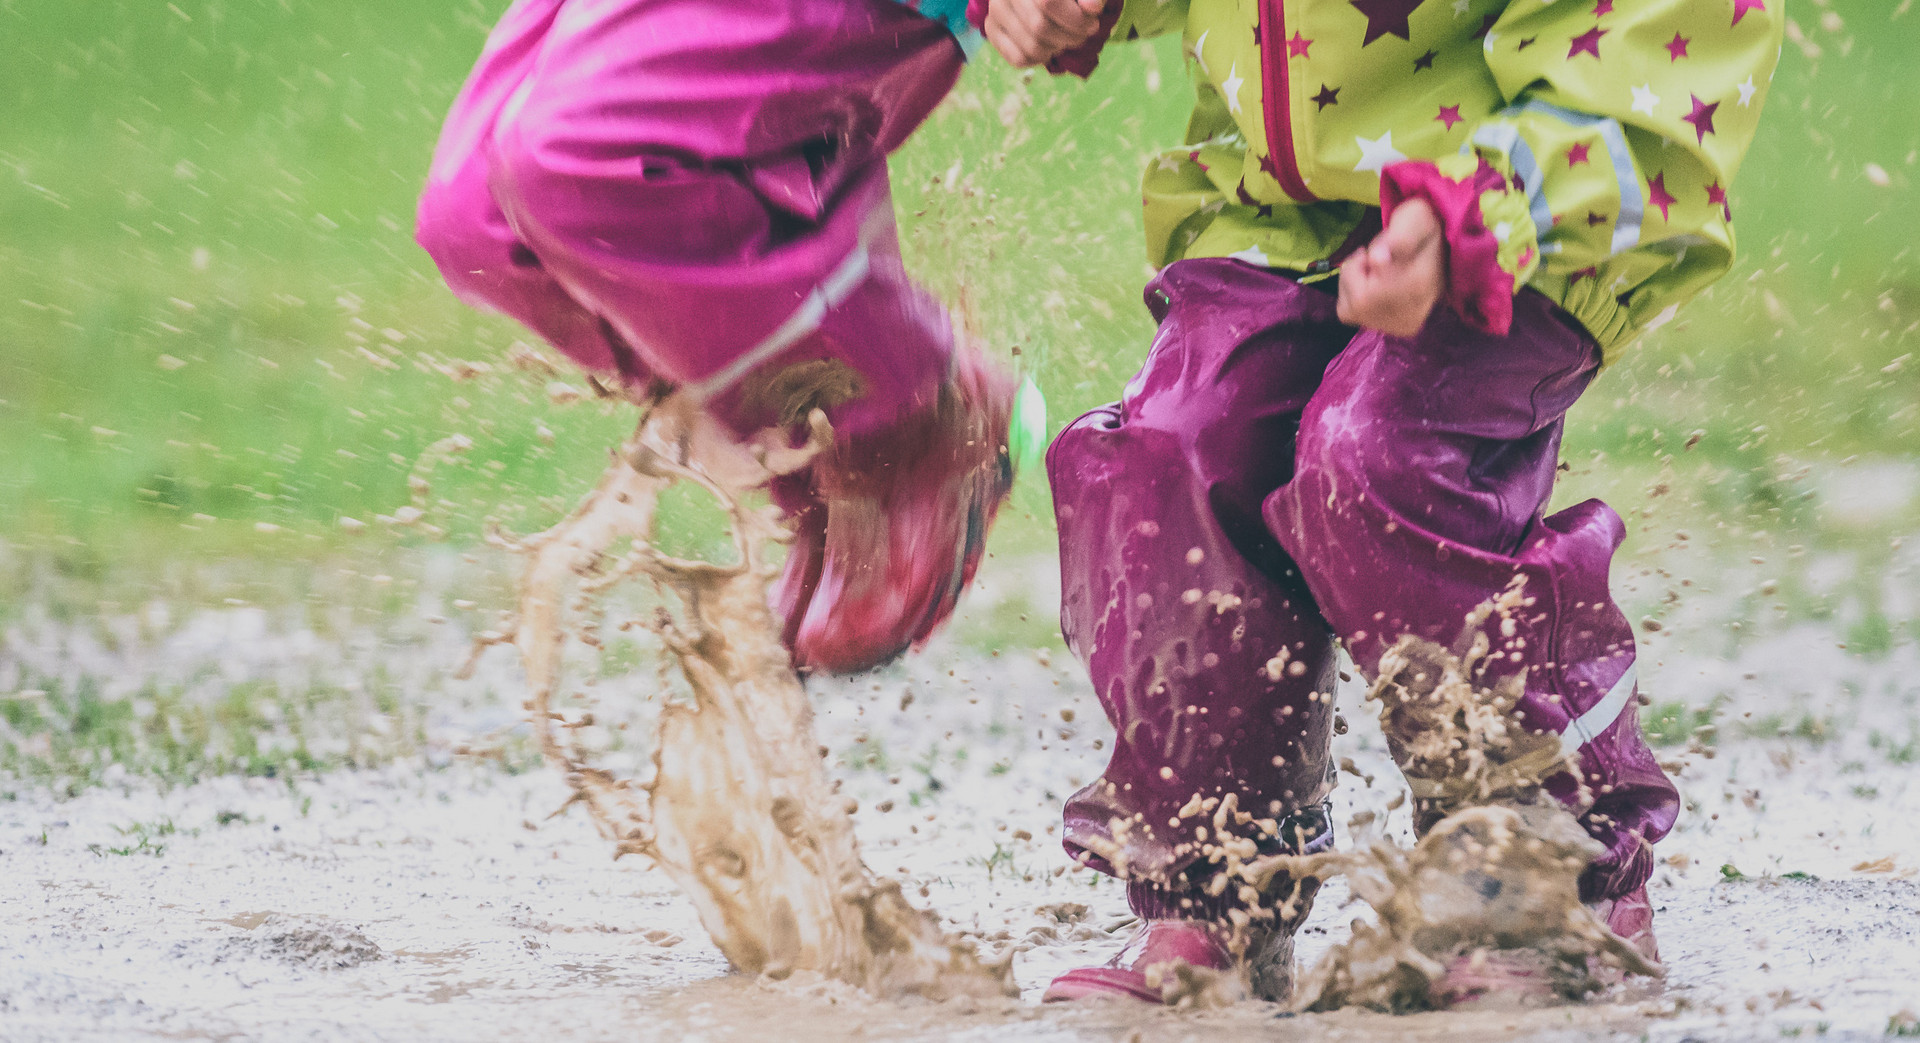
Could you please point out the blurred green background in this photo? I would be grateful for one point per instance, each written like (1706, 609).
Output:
(218, 341)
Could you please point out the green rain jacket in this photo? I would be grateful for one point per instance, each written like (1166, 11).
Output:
(1584, 148)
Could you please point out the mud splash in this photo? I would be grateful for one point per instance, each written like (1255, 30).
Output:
(1490, 893)
(739, 810)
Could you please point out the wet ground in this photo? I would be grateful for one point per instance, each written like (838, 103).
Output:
(428, 895)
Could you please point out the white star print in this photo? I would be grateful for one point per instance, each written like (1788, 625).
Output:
(1231, 85)
(1200, 49)
(1251, 255)
(1644, 100)
(1460, 8)
(1746, 92)
(1377, 155)
(1503, 231)
(1168, 164)
(1663, 318)
(1491, 37)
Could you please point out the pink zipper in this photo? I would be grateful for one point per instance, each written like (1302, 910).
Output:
(1276, 100)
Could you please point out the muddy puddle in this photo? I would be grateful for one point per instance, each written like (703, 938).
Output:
(432, 896)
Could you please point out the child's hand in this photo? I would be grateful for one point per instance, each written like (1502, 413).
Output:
(1393, 284)
(1032, 32)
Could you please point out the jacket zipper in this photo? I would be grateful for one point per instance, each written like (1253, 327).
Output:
(1276, 101)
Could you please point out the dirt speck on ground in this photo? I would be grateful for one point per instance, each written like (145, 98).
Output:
(301, 942)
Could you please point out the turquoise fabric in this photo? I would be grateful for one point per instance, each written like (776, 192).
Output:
(953, 15)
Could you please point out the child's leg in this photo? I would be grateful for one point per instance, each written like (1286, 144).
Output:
(710, 178)
(464, 230)
(708, 182)
(1211, 660)
(1423, 469)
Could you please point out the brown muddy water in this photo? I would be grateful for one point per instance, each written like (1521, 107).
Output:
(431, 897)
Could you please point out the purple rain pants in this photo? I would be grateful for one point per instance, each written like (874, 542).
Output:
(1272, 479)
(682, 191)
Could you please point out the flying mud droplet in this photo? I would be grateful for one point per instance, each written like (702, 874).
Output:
(739, 810)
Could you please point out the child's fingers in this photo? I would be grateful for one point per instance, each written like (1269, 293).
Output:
(1356, 285)
(1062, 24)
(1031, 32)
(1382, 252)
(1013, 52)
(1012, 37)
(1413, 229)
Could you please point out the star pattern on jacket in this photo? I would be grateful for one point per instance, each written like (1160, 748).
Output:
(1586, 43)
(1590, 176)
(1717, 196)
(1231, 88)
(1378, 154)
(1702, 117)
(1657, 195)
(1386, 18)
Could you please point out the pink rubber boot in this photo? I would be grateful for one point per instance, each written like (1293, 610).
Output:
(1182, 924)
(1520, 976)
(896, 525)
(1138, 971)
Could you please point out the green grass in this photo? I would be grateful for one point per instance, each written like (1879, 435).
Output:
(1675, 723)
(68, 736)
(217, 339)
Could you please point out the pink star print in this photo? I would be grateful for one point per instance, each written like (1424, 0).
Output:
(1603, 8)
(1299, 46)
(1741, 7)
(1386, 18)
(1449, 115)
(1717, 196)
(1660, 197)
(1677, 48)
(1587, 42)
(1578, 154)
(1702, 117)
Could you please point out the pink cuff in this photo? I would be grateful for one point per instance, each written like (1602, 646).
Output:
(1081, 60)
(1478, 289)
